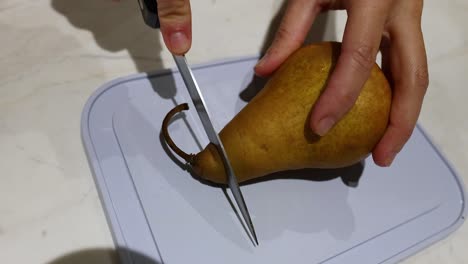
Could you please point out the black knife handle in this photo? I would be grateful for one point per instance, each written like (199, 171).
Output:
(149, 11)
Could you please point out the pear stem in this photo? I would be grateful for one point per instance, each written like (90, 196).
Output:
(179, 108)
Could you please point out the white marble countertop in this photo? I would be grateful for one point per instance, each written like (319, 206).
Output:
(55, 53)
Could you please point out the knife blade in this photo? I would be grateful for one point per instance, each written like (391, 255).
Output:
(200, 106)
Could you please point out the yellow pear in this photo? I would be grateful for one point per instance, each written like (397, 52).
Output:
(272, 133)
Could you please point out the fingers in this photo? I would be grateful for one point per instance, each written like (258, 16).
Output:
(361, 42)
(410, 76)
(176, 24)
(291, 33)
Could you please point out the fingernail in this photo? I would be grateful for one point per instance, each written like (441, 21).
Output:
(390, 157)
(179, 42)
(261, 62)
(324, 125)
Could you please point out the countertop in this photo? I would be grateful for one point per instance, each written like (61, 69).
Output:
(55, 53)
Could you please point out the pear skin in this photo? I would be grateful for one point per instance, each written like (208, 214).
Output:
(272, 132)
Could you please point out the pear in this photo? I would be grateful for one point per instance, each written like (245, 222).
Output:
(272, 133)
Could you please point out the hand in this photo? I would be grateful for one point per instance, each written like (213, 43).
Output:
(369, 22)
(176, 24)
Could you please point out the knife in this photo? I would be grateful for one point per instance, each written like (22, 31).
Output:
(150, 16)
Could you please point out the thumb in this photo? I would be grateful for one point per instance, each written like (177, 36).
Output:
(176, 24)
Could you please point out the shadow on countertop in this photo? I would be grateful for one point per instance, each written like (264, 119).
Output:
(116, 26)
(104, 256)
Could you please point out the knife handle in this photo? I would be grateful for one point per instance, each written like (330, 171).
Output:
(149, 11)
